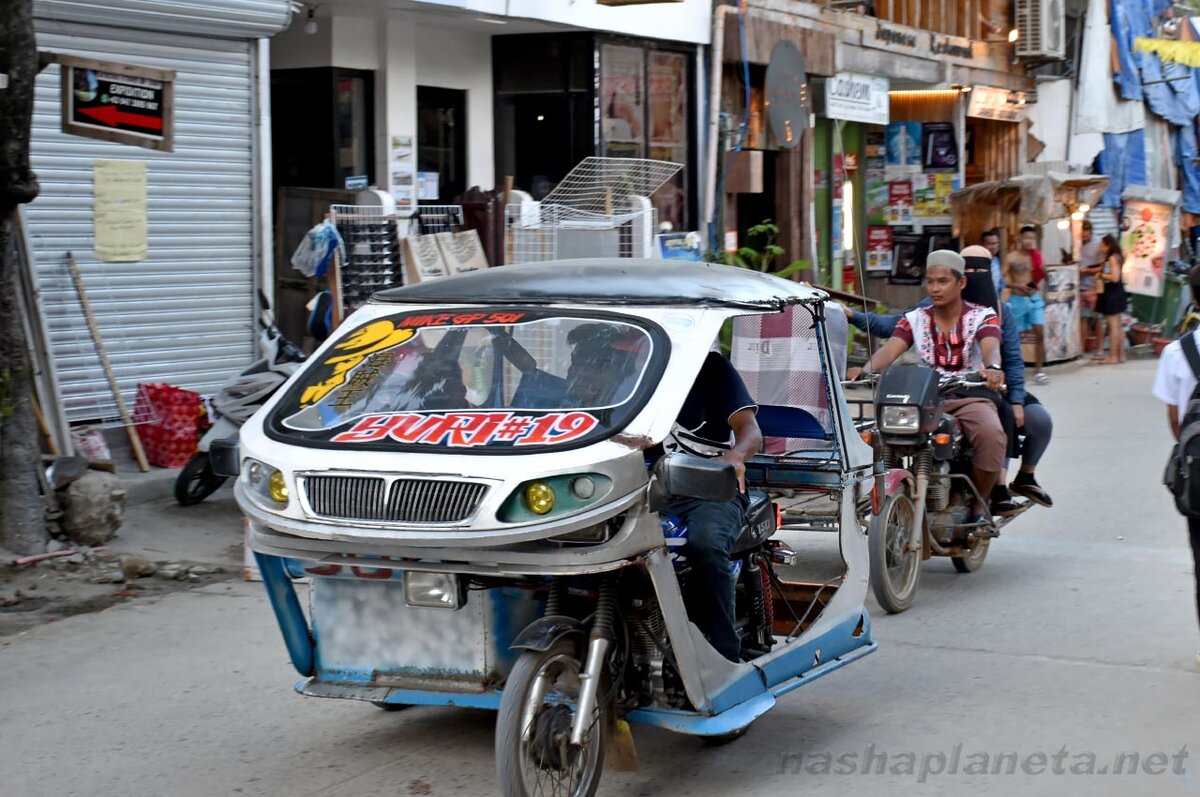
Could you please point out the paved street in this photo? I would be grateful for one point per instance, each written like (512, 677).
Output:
(1079, 632)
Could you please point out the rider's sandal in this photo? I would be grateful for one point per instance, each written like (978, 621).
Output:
(1033, 491)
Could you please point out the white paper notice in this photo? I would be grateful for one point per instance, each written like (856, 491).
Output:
(119, 210)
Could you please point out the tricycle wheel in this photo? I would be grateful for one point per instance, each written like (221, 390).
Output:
(974, 560)
(533, 729)
(895, 570)
(724, 738)
(196, 481)
(390, 706)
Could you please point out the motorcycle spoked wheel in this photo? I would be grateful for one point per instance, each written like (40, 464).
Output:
(974, 560)
(895, 571)
(196, 481)
(539, 760)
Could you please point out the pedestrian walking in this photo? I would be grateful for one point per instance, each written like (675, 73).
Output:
(1174, 385)
(1090, 262)
(1112, 300)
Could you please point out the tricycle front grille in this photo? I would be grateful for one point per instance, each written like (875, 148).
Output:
(372, 498)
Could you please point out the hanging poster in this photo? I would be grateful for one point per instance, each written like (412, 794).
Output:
(876, 179)
(119, 210)
(680, 246)
(931, 197)
(900, 202)
(939, 147)
(622, 100)
(666, 75)
(879, 249)
(1144, 241)
(907, 268)
(904, 144)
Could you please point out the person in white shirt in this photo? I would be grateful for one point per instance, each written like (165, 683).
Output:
(1173, 385)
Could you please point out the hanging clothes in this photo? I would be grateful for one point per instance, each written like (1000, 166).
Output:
(1098, 108)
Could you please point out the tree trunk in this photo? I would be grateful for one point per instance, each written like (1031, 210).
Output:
(22, 527)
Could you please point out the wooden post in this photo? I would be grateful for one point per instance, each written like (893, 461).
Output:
(135, 441)
(334, 278)
(509, 243)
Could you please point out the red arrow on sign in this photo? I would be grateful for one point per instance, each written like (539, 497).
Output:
(111, 116)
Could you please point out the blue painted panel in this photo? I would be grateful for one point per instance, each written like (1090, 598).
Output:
(288, 613)
(694, 724)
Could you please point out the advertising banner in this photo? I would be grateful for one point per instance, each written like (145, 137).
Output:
(1144, 241)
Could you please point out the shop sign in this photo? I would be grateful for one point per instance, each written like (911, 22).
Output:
(988, 102)
(857, 98)
(953, 46)
(887, 37)
(117, 102)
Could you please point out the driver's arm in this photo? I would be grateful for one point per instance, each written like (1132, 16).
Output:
(886, 355)
(747, 441)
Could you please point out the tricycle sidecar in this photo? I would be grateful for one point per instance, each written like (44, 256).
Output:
(469, 475)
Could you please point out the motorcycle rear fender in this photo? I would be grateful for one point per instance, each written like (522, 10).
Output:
(221, 430)
(544, 632)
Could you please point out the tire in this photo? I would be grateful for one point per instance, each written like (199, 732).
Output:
(724, 738)
(895, 572)
(520, 763)
(974, 560)
(390, 706)
(196, 481)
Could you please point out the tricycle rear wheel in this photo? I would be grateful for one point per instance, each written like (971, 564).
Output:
(533, 751)
(895, 570)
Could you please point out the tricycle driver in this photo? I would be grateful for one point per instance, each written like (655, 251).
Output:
(717, 421)
(955, 338)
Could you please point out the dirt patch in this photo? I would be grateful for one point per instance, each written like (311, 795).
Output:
(91, 581)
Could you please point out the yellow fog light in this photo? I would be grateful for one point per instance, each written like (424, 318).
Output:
(539, 497)
(277, 488)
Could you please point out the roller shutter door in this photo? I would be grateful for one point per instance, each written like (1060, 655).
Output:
(185, 315)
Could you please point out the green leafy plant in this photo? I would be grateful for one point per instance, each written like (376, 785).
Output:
(760, 253)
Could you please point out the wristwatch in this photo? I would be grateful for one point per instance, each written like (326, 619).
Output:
(993, 368)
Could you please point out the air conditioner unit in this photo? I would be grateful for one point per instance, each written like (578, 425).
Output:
(1042, 29)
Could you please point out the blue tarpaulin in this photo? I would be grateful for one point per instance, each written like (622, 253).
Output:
(1184, 140)
(1123, 161)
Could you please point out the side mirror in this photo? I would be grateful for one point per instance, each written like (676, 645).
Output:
(223, 456)
(686, 476)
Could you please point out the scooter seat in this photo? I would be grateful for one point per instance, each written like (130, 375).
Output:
(759, 523)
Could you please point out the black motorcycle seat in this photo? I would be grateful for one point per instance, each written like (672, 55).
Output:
(759, 523)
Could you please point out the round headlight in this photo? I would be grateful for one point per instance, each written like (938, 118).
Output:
(277, 488)
(255, 473)
(583, 488)
(539, 497)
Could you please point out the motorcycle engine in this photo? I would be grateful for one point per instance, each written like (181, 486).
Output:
(662, 685)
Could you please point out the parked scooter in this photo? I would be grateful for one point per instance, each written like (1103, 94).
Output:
(239, 398)
(926, 509)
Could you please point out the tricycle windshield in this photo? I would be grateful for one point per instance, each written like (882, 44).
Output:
(493, 380)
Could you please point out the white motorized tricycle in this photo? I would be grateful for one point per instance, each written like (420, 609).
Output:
(469, 475)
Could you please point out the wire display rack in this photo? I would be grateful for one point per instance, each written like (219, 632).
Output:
(372, 260)
(600, 209)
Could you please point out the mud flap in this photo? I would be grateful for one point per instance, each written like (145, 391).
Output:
(544, 632)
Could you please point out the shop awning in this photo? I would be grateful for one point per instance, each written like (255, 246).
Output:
(1038, 197)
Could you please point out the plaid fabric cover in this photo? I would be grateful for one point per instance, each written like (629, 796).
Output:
(777, 355)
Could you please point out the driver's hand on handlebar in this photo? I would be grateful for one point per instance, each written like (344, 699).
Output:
(853, 374)
(994, 378)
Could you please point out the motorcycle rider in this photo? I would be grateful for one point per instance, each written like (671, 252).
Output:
(1027, 413)
(955, 338)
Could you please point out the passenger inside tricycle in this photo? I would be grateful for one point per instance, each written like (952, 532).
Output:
(481, 495)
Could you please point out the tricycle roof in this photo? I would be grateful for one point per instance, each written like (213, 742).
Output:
(611, 281)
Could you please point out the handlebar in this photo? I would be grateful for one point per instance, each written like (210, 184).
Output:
(971, 379)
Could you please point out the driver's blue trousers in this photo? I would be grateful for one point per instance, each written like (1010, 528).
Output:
(712, 528)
